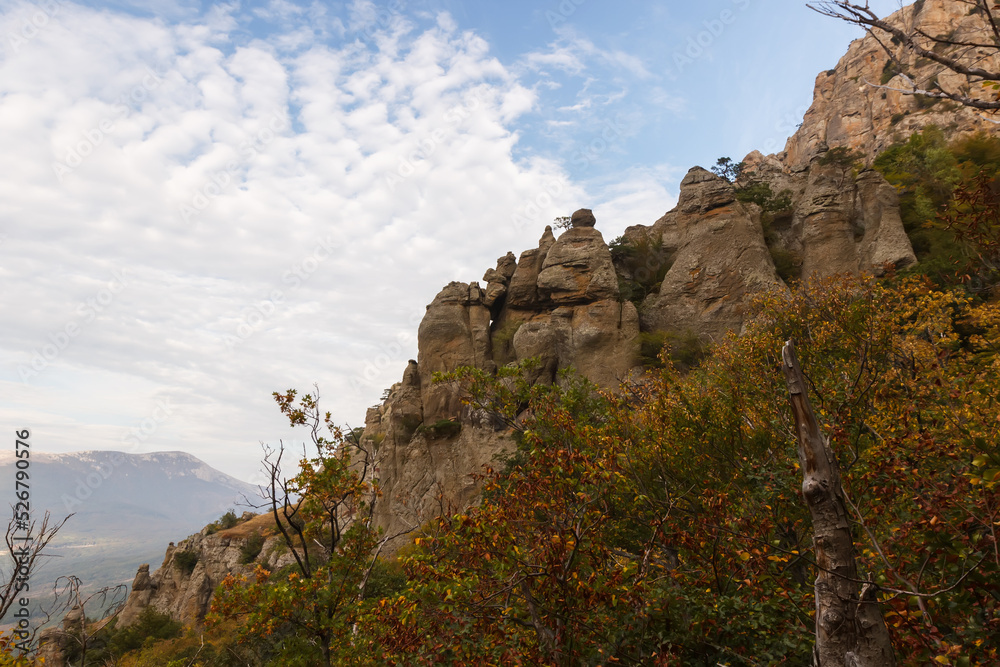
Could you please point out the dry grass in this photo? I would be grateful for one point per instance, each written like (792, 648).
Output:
(262, 523)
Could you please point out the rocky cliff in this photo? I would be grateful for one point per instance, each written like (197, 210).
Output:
(570, 303)
(850, 110)
(565, 303)
(559, 302)
(191, 570)
(573, 302)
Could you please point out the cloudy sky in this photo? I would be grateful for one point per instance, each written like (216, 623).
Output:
(203, 203)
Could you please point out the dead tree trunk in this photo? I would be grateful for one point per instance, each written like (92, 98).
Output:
(850, 630)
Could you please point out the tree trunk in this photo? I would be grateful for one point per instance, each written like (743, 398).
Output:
(850, 630)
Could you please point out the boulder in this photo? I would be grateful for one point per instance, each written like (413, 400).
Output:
(702, 191)
(577, 269)
(583, 218)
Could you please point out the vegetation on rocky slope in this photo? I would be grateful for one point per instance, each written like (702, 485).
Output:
(665, 523)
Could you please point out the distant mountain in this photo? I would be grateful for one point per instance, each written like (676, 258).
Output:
(125, 507)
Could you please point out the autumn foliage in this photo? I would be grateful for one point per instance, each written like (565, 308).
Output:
(664, 523)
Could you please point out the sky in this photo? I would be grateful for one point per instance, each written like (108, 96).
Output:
(203, 203)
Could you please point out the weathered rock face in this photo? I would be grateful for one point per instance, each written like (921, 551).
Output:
(847, 111)
(55, 643)
(560, 302)
(721, 260)
(523, 291)
(583, 218)
(497, 281)
(597, 339)
(849, 225)
(577, 269)
(455, 332)
(186, 596)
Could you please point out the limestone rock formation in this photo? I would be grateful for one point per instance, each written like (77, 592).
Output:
(497, 281)
(559, 302)
(523, 291)
(566, 303)
(577, 269)
(55, 643)
(847, 111)
(186, 594)
(583, 218)
(721, 260)
(455, 332)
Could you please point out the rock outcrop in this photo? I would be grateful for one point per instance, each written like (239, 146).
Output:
(559, 302)
(721, 259)
(570, 302)
(55, 643)
(848, 111)
(192, 569)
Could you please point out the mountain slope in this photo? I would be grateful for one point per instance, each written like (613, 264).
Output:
(124, 507)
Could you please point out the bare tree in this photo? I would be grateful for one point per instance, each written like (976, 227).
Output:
(71, 605)
(325, 515)
(26, 541)
(850, 629)
(973, 57)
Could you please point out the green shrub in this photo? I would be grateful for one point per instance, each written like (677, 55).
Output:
(641, 267)
(443, 428)
(410, 425)
(760, 193)
(503, 342)
(228, 520)
(251, 549)
(387, 580)
(685, 349)
(185, 561)
(151, 626)
(651, 343)
(787, 263)
(750, 188)
(842, 156)
(889, 72)
(926, 169)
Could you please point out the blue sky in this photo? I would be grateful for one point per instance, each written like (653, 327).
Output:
(204, 203)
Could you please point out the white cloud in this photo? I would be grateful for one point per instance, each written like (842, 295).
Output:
(330, 191)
